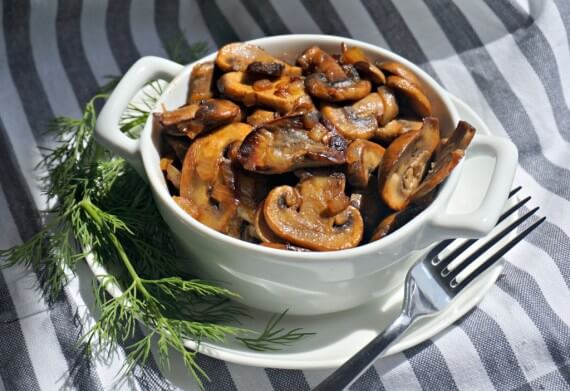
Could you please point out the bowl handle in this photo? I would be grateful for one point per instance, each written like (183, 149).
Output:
(107, 130)
(480, 221)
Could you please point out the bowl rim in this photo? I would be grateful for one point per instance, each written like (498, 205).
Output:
(160, 189)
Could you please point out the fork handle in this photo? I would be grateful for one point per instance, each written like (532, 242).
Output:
(357, 364)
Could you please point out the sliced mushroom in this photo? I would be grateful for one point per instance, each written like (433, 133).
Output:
(395, 68)
(328, 80)
(371, 206)
(396, 220)
(405, 163)
(260, 116)
(262, 230)
(357, 121)
(389, 103)
(196, 118)
(251, 190)
(413, 94)
(201, 86)
(179, 145)
(205, 189)
(446, 160)
(356, 57)
(393, 129)
(283, 94)
(265, 69)
(362, 157)
(238, 56)
(285, 145)
(298, 215)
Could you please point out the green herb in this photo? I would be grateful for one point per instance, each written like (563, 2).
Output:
(103, 208)
(272, 338)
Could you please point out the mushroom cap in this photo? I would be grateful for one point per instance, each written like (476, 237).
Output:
(238, 56)
(413, 94)
(196, 118)
(390, 105)
(299, 215)
(397, 69)
(200, 85)
(405, 162)
(393, 129)
(446, 159)
(347, 122)
(261, 116)
(328, 80)
(319, 86)
(262, 230)
(362, 158)
(206, 192)
(356, 57)
(284, 145)
(284, 94)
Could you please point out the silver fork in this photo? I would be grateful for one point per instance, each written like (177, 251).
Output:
(431, 284)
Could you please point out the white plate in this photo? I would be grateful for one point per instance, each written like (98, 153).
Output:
(340, 335)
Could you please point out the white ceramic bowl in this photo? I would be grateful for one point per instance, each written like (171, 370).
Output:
(307, 283)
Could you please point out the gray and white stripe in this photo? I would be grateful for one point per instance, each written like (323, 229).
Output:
(509, 63)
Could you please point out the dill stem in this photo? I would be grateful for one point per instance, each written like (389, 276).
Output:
(87, 205)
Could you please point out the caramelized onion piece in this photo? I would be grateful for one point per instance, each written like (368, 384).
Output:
(397, 69)
(328, 80)
(201, 86)
(446, 160)
(413, 94)
(200, 117)
(405, 162)
(238, 56)
(285, 145)
(357, 121)
(283, 94)
(356, 57)
(298, 215)
(393, 129)
(362, 158)
(389, 103)
(206, 192)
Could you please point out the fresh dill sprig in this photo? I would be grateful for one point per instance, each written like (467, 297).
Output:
(102, 207)
(272, 337)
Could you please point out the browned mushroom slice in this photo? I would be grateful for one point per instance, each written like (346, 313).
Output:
(356, 57)
(171, 172)
(393, 129)
(179, 145)
(395, 68)
(362, 158)
(284, 246)
(298, 215)
(265, 69)
(238, 56)
(328, 80)
(446, 160)
(389, 103)
(285, 145)
(358, 120)
(199, 117)
(251, 189)
(371, 206)
(413, 94)
(260, 116)
(200, 86)
(204, 188)
(262, 230)
(283, 94)
(405, 163)
(396, 220)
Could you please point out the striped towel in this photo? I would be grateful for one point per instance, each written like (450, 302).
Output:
(508, 59)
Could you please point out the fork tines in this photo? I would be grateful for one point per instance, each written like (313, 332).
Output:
(450, 274)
